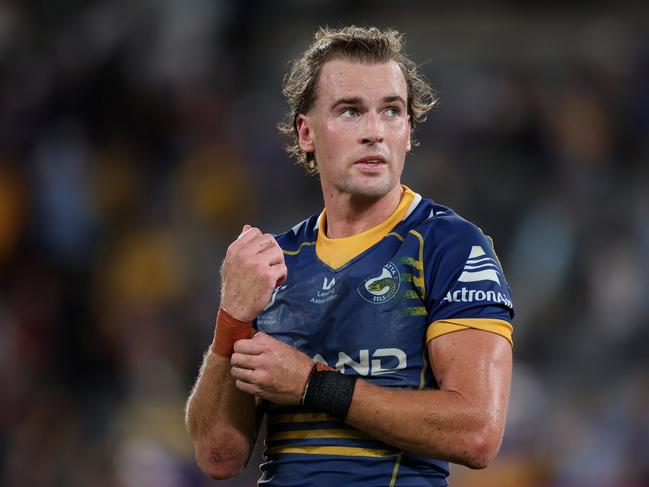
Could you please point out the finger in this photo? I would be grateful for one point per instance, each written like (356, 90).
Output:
(280, 273)
(245, 228)
(273, 255)
(263, 341)
(248, 388)
(245, 375)
(247, 347)
(282, 279)
(246, 245)
(249, 235)
(267, 241)
(243, 360)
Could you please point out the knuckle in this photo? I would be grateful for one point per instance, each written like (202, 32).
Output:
(277, 253)
(259, 338)
(233, 248)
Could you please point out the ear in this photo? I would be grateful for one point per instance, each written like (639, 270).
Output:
(304, 133)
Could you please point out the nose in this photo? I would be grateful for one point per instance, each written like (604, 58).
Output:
(372, 132)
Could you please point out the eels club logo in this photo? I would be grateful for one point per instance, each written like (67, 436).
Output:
(379, 289)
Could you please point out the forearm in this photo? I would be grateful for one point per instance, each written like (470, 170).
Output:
(221, 420)
(436, 423)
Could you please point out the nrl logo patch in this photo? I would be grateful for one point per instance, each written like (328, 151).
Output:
(379, 289)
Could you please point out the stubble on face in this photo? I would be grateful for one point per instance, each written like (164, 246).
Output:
(341, 141)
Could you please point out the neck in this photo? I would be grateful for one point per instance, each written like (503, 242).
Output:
(349, 215)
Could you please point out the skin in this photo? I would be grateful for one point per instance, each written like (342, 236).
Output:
(359, 112)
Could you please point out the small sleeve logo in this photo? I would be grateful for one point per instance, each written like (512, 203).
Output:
(479, 267)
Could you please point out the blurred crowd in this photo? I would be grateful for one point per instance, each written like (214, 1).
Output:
(137, 137)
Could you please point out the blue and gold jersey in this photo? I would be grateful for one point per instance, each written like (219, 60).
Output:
(368, 305)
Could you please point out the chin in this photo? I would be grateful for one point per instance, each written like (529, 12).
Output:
(370, 189)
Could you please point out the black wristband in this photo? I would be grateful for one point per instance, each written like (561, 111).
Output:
(330, 392)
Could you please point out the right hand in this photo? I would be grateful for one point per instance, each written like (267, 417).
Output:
(252, 268)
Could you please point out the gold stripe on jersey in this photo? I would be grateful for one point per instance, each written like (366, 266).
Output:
(335, 252)
(347, 451)
(415, 311)
(410, 294)
(393, 480)
(295, 252)
(417, 281)
(442, 327)
(320, 433)
(420, 282)
(412, 262)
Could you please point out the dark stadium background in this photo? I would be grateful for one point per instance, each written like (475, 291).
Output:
(136, 138)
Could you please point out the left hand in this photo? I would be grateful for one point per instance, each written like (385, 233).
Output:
(272, 370)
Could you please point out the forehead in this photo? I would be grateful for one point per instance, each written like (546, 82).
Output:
(340, 78)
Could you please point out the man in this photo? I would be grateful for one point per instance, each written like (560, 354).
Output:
(383, 348)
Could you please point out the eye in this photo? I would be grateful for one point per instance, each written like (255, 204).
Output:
(392, 111)
(350, 112)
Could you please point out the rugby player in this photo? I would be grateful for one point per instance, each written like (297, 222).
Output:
(376, 336)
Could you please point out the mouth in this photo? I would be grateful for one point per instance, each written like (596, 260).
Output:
(370, 163)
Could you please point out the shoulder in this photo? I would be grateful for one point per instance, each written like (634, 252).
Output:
(443, 230)
(304, 232)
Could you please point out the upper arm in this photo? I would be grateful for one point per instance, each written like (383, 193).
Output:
(477, 365)
(466, 286)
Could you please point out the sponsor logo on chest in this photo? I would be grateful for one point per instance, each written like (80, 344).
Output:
(327, 293)
(380, 362)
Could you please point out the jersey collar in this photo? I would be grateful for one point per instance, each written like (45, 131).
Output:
(336, 252)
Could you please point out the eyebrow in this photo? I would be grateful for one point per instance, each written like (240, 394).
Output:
(391, 99)
(347, 101)
(358, 101)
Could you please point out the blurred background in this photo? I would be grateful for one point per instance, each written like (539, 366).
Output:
(138, 136)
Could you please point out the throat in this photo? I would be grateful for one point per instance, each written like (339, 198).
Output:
(350, 216)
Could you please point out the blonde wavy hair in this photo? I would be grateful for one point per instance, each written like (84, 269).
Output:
(362, 44)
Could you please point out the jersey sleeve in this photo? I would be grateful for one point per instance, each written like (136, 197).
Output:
(467, 287)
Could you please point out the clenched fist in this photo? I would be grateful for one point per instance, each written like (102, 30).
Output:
(252, 268)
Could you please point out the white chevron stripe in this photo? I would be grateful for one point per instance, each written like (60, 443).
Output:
(480, 266)
(297, 227)
(476, 251)
(486, 275)
(415, 201)
(475, 261)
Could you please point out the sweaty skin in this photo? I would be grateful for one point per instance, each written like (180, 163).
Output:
(359, 131)
(222, 420)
